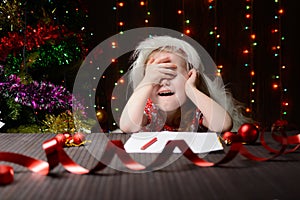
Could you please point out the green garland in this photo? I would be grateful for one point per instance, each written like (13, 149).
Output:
(46, 56)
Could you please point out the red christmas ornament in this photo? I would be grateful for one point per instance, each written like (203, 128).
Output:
(69, 138)
(61, 139)
(279, 124)
(228, 137)
(78, 138)
(67, 135)
(249, 133)
(6, 174)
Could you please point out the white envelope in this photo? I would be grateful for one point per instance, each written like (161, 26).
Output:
(198, 142)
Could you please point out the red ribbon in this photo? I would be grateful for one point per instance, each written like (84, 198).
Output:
(56, 155)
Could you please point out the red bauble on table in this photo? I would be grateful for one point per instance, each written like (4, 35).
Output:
(61, 139)
(249, 133)
(68, 140)
(67, 135)
(78, 138)
(228, 137)
(6, 174)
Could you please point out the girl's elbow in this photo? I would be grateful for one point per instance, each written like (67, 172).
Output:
(220, 125)
(125, 129)
(223, 125)
(129, 129)
(228, 124)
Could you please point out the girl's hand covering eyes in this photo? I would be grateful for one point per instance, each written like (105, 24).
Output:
(159, 69)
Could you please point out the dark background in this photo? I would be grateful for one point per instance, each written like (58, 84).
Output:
(230, 19)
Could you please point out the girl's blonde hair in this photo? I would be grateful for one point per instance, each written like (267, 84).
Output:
(215, 88)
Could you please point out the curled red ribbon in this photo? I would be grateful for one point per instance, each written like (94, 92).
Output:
(56, 155)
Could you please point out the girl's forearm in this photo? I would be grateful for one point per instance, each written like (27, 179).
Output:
(132, 116)
(215, 117)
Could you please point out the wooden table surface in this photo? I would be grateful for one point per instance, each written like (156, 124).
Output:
(178, 179)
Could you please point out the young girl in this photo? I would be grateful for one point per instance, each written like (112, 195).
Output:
(172, 92)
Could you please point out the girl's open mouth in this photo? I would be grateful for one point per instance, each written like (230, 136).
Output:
(166, 93)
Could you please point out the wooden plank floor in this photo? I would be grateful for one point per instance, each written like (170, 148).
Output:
(179, 179)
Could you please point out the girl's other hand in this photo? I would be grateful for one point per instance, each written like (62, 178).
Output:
(191, 81)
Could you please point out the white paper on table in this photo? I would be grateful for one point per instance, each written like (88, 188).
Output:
(1, 124)
(203, 142)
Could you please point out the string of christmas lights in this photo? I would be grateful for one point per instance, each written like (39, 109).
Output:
(119, 8)
(186, 20)
(215, 34)
(120, 25)
(248, 53)
(145, 6)
(277, 35)
(183, 18)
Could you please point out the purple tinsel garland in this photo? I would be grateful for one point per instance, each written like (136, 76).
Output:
(42, 96)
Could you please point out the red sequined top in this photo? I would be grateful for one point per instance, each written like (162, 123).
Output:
(156, 122)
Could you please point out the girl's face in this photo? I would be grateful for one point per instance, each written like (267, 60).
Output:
(169, 95)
